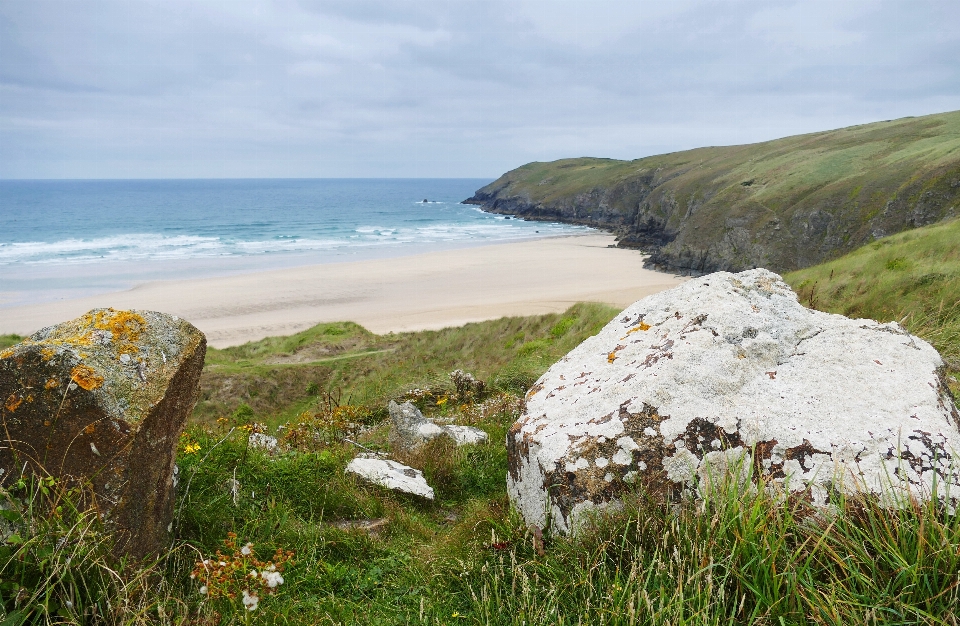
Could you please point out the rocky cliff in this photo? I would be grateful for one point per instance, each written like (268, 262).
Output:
(783, 204)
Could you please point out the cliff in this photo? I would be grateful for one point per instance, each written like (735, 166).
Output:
(783, 204)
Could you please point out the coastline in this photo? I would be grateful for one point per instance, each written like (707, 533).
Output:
(418, 292)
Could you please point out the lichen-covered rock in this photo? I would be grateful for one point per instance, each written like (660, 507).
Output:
(730, 370)
(390, 474)
(410, 429)
(100, 402)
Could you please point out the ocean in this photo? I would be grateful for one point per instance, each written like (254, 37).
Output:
(69, 238)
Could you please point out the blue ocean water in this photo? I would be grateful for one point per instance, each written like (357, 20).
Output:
(63, 238)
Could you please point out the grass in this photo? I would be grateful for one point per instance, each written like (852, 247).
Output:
(365, 555)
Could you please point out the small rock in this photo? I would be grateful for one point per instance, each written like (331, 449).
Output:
(372, 527)
(260, 440)
(410, 429)
(391, 475)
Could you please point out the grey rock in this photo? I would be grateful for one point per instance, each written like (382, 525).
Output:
(410, 429)
(390, 474)
(729, 372)
(100, 402)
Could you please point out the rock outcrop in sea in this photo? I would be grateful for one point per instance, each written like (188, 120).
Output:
(99, 402)
(729, 371)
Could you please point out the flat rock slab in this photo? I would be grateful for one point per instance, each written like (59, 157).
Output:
(391, 475)
(100, 401)
(729, 370)
(410, 429)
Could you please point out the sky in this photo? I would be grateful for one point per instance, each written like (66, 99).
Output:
(455, 88)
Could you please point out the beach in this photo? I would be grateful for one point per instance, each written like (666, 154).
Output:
(417, 292)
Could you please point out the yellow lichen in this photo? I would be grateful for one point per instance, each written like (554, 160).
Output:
(641, 326)
(13, 402)
(51, 383)
(86, 377)
(123, 325)
(6, 353)
(47, 353)
(128, 348)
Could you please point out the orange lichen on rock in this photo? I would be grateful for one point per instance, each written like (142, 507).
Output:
(89, 429)
(13, 401)
(86, 377)
(51, 383)
(640, 326)
(124, 325)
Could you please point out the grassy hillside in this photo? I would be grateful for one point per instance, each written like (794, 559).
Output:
(911, 277)
(352, 553)
(279, 377)
(783, 204)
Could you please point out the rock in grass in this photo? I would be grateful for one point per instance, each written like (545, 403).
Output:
(410, 429)
(729, 370)
(391, 475)
(100, 402)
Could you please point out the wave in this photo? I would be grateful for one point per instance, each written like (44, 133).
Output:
(159, 247)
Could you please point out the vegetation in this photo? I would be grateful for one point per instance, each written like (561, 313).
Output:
(783, 204)
(339, 551)
(8, 340)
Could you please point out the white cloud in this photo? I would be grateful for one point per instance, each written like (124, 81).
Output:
(472, 87)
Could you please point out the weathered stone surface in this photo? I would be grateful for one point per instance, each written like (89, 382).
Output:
(410, 429)
(101, 401)
(730, 368)
(390, 474)
(264, 441)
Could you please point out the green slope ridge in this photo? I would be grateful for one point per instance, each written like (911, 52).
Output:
(783, 204)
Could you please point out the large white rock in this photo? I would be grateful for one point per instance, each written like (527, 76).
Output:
(730, 368)
(390, 474)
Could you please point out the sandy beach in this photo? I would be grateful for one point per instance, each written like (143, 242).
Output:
(425, 291)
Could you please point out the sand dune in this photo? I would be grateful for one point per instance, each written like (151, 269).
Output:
(426, 291)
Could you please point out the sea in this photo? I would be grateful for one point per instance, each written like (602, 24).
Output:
(63, 239)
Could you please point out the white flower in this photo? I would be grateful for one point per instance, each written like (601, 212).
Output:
(253, 573)
(69, 604)
(272, 579)
(250, 600)
(245, 550)
(203, 590)
(223, 563)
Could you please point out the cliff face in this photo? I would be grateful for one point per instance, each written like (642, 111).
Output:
(783, 204)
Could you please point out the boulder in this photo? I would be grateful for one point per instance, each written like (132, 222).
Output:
(410, 429)
(100, 402)
(729, 370)
(390, 474)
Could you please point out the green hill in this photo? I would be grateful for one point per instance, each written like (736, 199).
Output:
(783, 204)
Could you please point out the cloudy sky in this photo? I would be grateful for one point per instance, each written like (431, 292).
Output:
(377, 88)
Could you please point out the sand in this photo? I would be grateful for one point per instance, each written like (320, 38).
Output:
(425, 291)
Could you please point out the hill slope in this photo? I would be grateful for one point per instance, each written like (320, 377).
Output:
(783, 204)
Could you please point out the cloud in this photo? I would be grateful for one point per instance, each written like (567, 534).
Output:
(441, 88)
